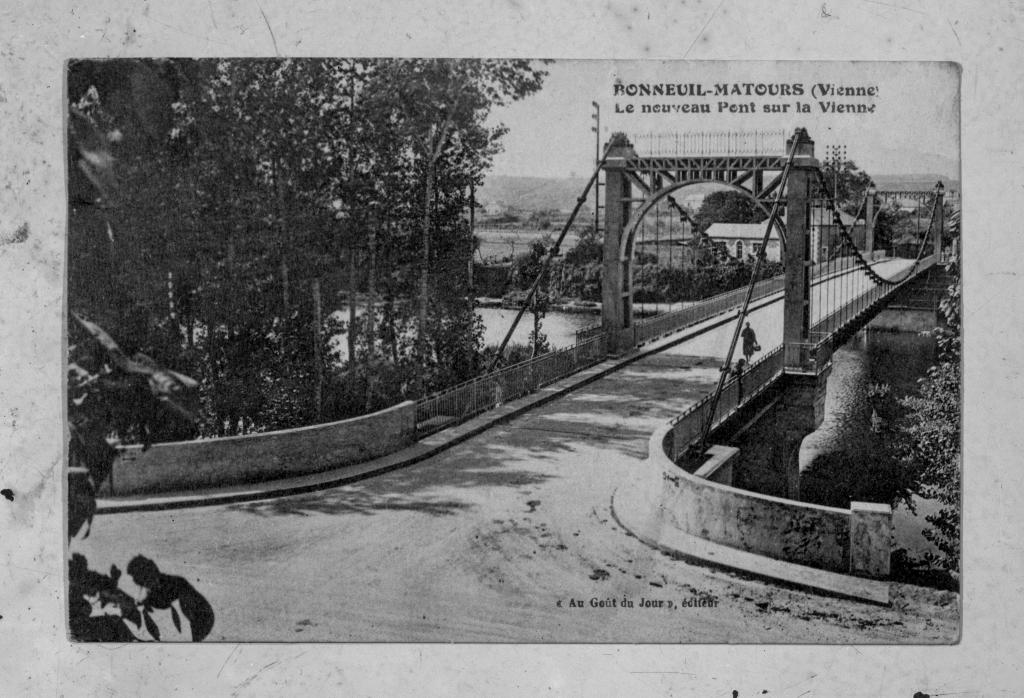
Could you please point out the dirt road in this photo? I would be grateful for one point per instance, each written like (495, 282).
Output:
(496, 539)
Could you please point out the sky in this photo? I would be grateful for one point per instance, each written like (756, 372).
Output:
(914, 128)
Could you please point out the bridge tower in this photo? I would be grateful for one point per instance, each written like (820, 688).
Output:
(803, 399)
(616, 294)
(797, 256)
(635, 183)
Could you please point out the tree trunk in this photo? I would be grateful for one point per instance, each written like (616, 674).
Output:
(351, 335)
(284, 284)
(472, 231)
(428, 200)
(282, 228)
(371, 283)
(318, 396)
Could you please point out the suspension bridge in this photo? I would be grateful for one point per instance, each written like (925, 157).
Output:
(480, 538)
(832, 285)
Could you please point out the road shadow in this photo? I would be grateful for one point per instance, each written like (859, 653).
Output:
(487, 461)
(616, 414)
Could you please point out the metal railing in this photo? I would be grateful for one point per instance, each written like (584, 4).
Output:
(812, 356)
(808, 357)
(738, 391)
(674, 320)
(837, 318)
(468, 399)
(666, 323)
(709, 143)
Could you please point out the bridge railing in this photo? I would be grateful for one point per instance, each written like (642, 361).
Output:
(688, 427)
(468, 399)
(659, 325)
(808, 357)
(837, 318)
(710, 143)
(812, 356)
(699, 311)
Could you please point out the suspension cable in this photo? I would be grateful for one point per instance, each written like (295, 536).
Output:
(859, 259)
(741, 316)
(547, 260)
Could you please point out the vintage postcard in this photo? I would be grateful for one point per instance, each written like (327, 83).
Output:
(504, 350)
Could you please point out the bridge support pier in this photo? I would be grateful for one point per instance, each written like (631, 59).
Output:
(801, 411)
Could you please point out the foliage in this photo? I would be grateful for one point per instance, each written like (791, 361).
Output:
(846, 183)
(525, 270)
(919, 437)
(100, 376)
(932, 443)
(234, 186)
(726, 207)
(931, 431)
(589, 248)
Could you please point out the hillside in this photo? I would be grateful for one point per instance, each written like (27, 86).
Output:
(914, 182)
(532, 193)
(554, 193)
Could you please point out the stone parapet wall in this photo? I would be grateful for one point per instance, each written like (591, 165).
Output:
(839, 540)
(206, 463)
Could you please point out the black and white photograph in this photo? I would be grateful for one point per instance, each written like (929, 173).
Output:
(495, 350)
(508, 348)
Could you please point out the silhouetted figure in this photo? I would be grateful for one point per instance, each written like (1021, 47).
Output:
(737, 371)
(750, 344)
(164, 589)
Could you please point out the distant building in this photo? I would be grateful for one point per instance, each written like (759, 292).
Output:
(740, 240)
(827, 236)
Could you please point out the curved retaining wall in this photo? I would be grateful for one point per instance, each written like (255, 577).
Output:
(187, 465)
(854, 541)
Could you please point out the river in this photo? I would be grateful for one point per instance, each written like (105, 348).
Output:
(560, 328)
(846, 457)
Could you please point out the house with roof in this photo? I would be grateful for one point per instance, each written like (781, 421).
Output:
(740, 240)
(827, 235)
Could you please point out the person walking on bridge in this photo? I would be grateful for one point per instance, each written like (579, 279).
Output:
(737, 372)
(750, 344)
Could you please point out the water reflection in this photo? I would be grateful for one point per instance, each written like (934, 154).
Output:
(846, 458)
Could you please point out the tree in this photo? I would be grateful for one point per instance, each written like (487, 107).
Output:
(440, 108)
(221, 186)
(931, 430)
(726, 207)
(849, 183)
(589, 248)
(109, 394)
(525, 270)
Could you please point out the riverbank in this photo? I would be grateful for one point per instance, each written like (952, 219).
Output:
(578, 306)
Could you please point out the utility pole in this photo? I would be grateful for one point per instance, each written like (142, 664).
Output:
(835, 157)
(596, 128)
